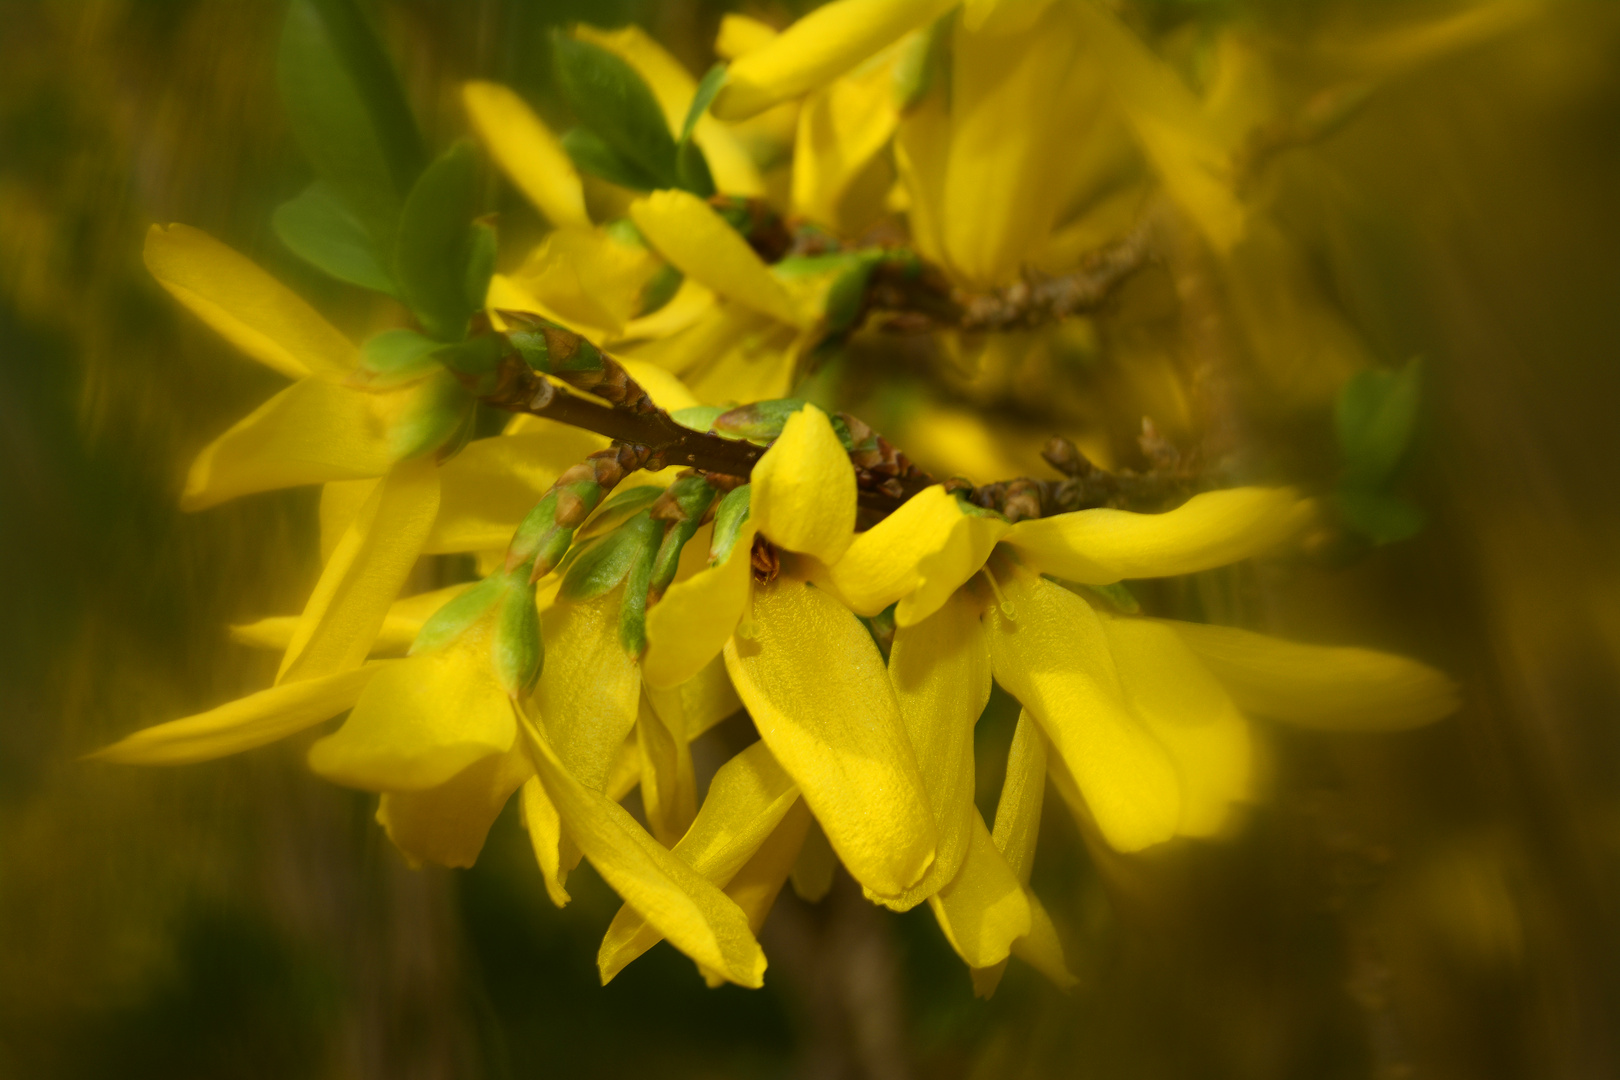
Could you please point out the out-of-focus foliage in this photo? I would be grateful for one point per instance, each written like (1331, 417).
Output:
(1444, 903)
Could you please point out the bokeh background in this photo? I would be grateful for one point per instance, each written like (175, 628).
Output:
(1442, 903)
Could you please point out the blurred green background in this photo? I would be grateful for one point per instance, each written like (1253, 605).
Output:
(1444, 903)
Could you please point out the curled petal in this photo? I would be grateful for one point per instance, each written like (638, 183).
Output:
(804, 489)
(1100, 547)
(817, 49)
(682, 904)
(1318, 686)
(248, 307)
(815, 684)
(1054, 658)
(243, 724)
(527, 152)
(984, 908)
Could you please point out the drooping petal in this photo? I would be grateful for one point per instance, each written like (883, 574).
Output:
(747, 799)
(682, 904)
(691, 624)
(812, 874)
(589, 690)
(734, 172)
(547, 839)
(940, 668)
(1190, 714)
(698, 242)
(447, 824)
(757, 884)
(984, 908)
(815, 684)
(842, 130)
(243, 724)
(248, 307)
(364, 574)
(817, 49)
(1053, 656)
(1099, 547)
(804, 489)
(489, 487)
(311, 432)
(1319, 686)
(527, 152)
(399, 627)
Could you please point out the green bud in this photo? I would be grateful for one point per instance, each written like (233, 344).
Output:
(547, 347)
(517, 648)
(633, 605)
(437, 409)
(760, 421)
(457, 614)
(604, 562)
(544, 535)
(692, 496)
(729, 517)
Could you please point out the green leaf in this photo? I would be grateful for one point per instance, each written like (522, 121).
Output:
(692, 170)
(319, 229)
(396, 357)
(616, 105)
(1380, 517)
(436, 243)
(437, 410)
(603, 563)
(347, 112)
(1375, 418)
(660, 289)
(590, 154)
(710, 86)
(482, 246)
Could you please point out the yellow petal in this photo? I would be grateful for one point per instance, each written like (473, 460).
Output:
(734, 173)
(1099, 547)
(698, 242)
(813, 873)
(706, 698)
(666, 391)
(690, 302)
(668, 788)
(527, 152)
(689, 626)
(545, 836)
(244, 723)
(679, 902)
(984, 909)
(399, 628)
(804, 489)
(757, 884)
(921, 154)
(489, 487)
(816, 687)
(587, 279)
(817, 49)
(248, 307)
(1001, 16)
(918, 555)
(447, 824)
(422, 720)
(1319, 686)
(940, 668)
(311, 432)
(748, 798)
(1054, 658)
(842, 130)
(589, 690)
(741, 34)
(1190, 714)
(364, 574)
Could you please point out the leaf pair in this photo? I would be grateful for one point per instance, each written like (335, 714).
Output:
(622, 136)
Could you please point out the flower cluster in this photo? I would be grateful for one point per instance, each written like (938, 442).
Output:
(664, 537)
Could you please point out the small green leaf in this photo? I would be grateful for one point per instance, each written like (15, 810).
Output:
(706, 89)
(729, 517)
(692, 170)
(1375, 418)
(480, 262)
(602, 563)
(590, 154)
(517, 648)
(633, 604)
(1379, 516)
(437, 410)
(660, 289)
(846, 299)
(433, 252)
(697, 417)
(621, 506)
(319, 229)
(476, 358)
(347, 112)
(457, 614)
(396, 357)
(613, 102)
